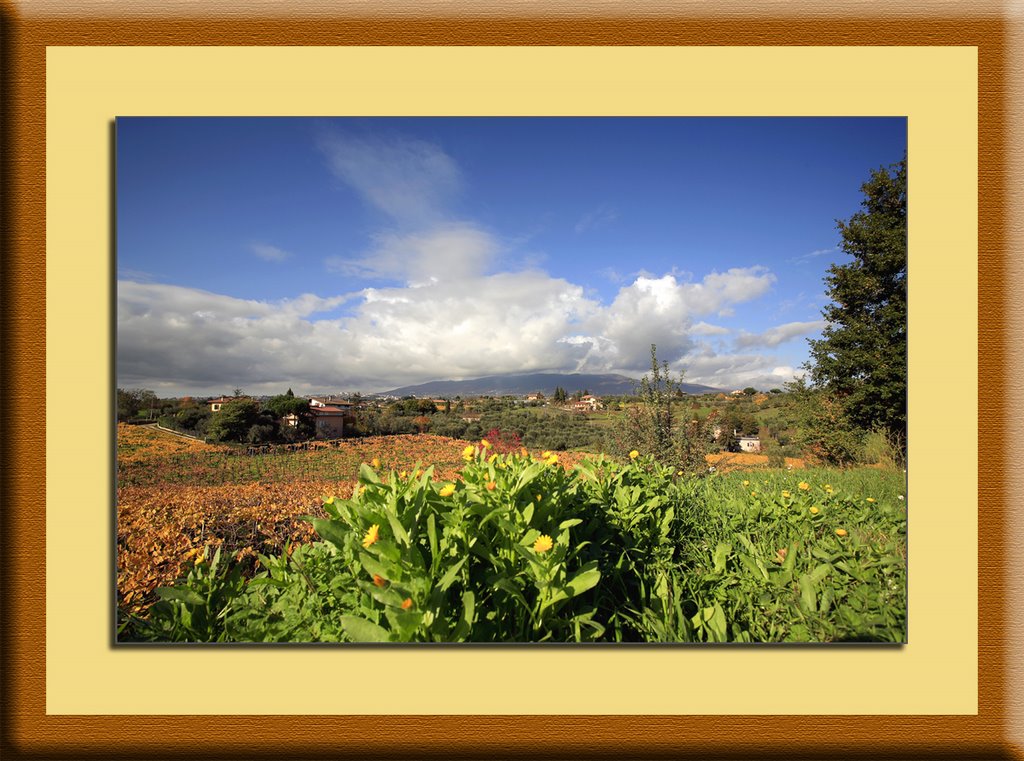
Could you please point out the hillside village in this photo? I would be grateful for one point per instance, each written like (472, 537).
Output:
(552, 420)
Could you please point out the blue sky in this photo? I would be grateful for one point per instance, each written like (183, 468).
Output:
(364, 254)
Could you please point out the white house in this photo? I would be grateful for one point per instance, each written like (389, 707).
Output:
(749, 443)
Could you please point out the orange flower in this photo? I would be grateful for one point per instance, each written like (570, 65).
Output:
(378, 580)
(375, 462)
(407, 603)
(840, 532)
(371, 536)
(804, 486)
(543, 543)
(491, 485)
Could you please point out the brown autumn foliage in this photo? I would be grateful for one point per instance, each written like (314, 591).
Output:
(177, 497)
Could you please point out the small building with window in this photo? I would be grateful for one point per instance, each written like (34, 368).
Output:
(749, 443)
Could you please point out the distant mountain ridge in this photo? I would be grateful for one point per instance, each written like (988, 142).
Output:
(607, 384)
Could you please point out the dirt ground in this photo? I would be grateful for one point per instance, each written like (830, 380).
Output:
(744, 460)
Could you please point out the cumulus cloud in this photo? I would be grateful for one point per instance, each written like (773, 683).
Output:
(202, 342)
(779, 334)
(411, 181)
(268, 253)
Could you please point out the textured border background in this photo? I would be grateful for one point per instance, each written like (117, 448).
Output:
(27, 29)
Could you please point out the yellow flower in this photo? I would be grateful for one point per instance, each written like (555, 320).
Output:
(485, 443)
(402, 475)
(553, 460)
(634, 454)
(375, 462)
(378, 580)
(407, 603)
(814, 511)
(491, 459)
(804, 486)
(786, 495)
(371, 536)
(746, 483)
(543, 543)
(467, 453)
(491, 485)
(545, 454)
(538, 498)
(871, 499)
(828, 488)
(447, 490)
(840, 532)
(753, 494)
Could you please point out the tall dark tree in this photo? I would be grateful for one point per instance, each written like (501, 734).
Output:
(861, 358)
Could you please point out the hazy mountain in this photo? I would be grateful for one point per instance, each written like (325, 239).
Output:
(498, 385)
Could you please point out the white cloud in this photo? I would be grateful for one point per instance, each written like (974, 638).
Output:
(705, 329)
(812, 255)
(449, 252)
(200, 342)
(269, 253)
(779, 334)
(732, 371)
(409, 180)
(720, 290)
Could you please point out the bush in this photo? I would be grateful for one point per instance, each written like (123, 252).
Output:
(650, 427)
(880, 448)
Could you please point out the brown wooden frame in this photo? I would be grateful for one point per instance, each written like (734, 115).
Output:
(29, 732)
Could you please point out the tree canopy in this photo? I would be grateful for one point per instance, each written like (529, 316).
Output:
(861, 358)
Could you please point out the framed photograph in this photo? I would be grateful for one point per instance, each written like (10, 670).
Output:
(81, 84)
